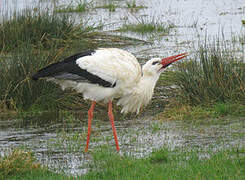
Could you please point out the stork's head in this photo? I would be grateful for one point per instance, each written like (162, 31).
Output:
(155, 66)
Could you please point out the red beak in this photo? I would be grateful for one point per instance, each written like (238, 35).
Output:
(169, 60)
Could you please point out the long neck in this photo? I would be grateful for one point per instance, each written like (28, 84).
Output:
(146, 87)
(140, 95)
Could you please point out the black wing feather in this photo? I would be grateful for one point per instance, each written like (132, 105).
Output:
(69, 70)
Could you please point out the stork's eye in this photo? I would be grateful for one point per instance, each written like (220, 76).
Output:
(155, 62)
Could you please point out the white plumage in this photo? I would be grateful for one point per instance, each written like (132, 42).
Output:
(113, 65)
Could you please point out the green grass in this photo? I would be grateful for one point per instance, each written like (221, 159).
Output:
(165, 164)
(132, 5)
(161, 164)
(214, 75)
(37, 29)
(110, 5)
(18, 92)
(230, 109)
(199, 112)
(145, 26)
(79, 7)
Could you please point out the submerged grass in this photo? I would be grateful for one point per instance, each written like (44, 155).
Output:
(132, 5)
(77, 6)
(146, 27)
(161, 164)
(110, 5)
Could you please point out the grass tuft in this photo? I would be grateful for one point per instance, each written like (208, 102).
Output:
(144, 26)
(18, 162)
(110, 5)
(36, 29)
(159, 156)
(19, 92)
(80, 6)
(132, 5)
(214, 76)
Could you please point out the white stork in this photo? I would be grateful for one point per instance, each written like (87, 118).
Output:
(106, 74)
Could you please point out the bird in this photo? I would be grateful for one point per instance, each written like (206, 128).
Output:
(107, 74)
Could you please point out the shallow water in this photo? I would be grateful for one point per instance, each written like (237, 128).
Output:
(58, 140)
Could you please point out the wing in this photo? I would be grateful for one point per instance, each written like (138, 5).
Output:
(64, 69)
(105, 67)
(112, 65)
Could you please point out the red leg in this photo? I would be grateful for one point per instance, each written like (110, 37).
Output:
(111, 117)
(90, 117)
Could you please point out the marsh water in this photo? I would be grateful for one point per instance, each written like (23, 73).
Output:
(58, 139)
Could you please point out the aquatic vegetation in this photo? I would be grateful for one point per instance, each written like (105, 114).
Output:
(146, 26)
(43, 30)
(132, 5)
(215, 75)
(77, 6)
(110, 5)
